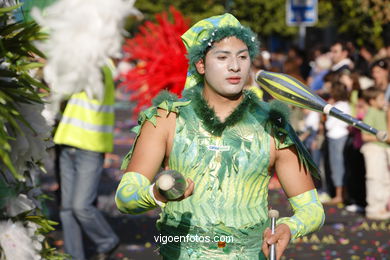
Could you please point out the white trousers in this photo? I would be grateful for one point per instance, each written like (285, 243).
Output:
(377, 177)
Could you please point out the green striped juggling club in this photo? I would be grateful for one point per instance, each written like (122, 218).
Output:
(288, 89)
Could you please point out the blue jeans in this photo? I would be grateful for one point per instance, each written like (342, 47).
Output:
(80, 175)
(336, 160)
(315, 153)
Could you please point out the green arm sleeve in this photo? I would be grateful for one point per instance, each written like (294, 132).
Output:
(134, 195)
(308, 215)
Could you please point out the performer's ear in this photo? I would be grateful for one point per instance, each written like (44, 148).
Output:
(200, 66)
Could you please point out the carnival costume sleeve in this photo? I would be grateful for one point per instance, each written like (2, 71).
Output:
(308, 214)
(135, 194)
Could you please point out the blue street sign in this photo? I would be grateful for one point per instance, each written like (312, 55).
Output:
(301, 12)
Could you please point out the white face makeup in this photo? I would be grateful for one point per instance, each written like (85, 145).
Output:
(226, 67)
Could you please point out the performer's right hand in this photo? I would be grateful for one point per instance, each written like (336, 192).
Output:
(188, 192)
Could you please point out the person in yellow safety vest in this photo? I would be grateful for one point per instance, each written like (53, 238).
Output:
(84, 134)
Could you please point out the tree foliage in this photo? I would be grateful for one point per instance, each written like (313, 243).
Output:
(195, 10)
(360, 20)
(264, 17)
(16, 85)
(20, 199)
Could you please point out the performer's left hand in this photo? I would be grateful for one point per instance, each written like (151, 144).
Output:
(281, 238)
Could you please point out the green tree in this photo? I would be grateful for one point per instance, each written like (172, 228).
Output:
(361, 20)
(263, 16)
(195, 10)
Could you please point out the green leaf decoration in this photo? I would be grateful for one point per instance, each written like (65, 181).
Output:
(18, 58)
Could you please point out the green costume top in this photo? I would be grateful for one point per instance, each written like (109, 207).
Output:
(228, 163)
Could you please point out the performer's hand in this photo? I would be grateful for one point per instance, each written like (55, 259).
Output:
(281, 238)
(188, 192)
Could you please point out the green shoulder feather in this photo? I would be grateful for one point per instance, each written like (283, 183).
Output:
(164, 100)
(279, 116)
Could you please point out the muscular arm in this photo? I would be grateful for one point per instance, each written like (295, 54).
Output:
(134, 193)
(299, 188)
(291, 173)
(298, 185)
(151, 146)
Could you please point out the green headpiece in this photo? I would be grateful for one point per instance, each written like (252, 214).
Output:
(204, 33)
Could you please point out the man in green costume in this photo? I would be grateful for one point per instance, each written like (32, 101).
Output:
(226, 143)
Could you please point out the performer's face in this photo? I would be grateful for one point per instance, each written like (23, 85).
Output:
(226, 67)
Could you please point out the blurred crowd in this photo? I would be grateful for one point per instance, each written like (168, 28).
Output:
(355, 165)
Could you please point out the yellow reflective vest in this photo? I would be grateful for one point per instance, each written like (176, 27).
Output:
(89, 123)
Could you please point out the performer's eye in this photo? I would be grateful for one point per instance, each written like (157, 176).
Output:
(221, 57)
(244, 57)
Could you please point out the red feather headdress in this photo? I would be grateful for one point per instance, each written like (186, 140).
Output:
(159, 55)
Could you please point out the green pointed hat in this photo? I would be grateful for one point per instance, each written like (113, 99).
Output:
(201, 36)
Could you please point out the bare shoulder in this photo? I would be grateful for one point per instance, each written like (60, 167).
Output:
(166, 117)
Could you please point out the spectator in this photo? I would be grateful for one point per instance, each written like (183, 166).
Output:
(337, 134)
(321, 67)
(339, 56)
(380, 72)
(376, 156)
(310, 134)
(364, 59)
(354, 161)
